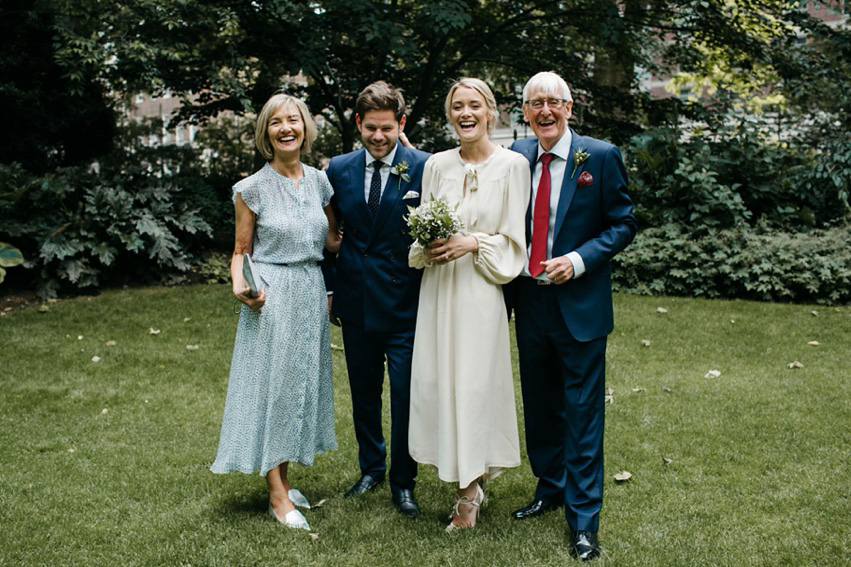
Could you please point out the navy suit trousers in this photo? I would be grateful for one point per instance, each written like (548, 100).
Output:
(563, 384)
(365, 355)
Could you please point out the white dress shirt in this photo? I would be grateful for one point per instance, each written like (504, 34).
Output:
(370, 169)
(558, 165)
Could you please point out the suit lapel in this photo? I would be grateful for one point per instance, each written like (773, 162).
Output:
(568, 186)
(356, 172)
(531, 152)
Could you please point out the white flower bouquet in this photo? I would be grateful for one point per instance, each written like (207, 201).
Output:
(432, 220)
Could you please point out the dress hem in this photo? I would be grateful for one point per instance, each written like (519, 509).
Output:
(246, 470)
(491, 475)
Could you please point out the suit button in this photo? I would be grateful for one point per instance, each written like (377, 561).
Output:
(365, 253)
(394, 279)
(402, 231)
(392, 255)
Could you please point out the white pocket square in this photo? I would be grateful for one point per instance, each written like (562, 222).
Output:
(411, 195)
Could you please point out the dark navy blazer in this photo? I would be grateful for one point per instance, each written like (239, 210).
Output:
(596, 221)
(373, 286)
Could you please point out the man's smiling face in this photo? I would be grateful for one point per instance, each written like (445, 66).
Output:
(548, 124)
(379, 131)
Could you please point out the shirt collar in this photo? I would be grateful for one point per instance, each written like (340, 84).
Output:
(387, 160)
(562, 147)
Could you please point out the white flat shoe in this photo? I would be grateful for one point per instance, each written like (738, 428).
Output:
(297, 498)
(294, 519)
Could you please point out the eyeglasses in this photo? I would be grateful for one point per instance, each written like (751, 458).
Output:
(554, 103)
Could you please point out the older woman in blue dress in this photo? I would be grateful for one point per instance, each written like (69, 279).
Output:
(280, 401)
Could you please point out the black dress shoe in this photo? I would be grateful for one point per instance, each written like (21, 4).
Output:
(584, 544)
(536, 508)
(406, 503)
(362, 486)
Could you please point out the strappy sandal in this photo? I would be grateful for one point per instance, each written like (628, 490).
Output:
(463, 500)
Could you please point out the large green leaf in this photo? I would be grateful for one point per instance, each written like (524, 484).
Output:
(10, 256)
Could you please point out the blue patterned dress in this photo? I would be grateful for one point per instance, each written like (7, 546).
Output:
(280, 401)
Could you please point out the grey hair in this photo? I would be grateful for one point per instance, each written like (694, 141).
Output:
(547, 82)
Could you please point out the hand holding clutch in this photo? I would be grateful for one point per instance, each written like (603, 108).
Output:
(253, 296)
(248, 272)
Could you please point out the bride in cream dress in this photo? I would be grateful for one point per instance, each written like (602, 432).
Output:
(463, 414)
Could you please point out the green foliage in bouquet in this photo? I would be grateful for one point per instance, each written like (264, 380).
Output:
(432, 220)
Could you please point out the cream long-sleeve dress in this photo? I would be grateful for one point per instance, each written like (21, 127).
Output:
(463, 414)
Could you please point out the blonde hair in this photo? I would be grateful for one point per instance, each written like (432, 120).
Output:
(547, 82)
(482, 88)
(275, 102)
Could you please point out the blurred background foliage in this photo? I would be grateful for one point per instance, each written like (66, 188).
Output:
(749, 159)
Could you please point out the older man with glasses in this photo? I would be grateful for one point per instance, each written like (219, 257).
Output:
(579, 217)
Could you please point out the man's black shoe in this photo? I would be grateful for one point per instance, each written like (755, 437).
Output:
(536, 508)
(406, 503)
(362, 486)
(584, 544)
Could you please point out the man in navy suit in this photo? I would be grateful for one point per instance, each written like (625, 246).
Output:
(579, 217)
(375, 293)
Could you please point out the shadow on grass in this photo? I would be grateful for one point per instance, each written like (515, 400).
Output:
(242, 506)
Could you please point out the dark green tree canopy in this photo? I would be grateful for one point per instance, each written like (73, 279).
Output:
(232, 54)
(52, 115)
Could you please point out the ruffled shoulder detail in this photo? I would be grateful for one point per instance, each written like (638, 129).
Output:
(249, 188)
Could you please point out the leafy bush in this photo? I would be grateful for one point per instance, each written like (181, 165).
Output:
(736, 177)
(215, 268)
(830, 177)
(83, 230)
(202, 174)
(134, 214)
(736, 263)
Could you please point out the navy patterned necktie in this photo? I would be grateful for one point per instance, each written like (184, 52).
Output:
(375, 188)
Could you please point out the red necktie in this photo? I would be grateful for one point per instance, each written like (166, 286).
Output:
(541, 219)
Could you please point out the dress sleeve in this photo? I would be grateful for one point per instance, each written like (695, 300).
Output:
(416, 254)
(502, 255)
(325, 189)
(250, 194)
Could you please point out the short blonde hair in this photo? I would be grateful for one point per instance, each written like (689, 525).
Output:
(482, 88)
(547, 82)
(261, 135)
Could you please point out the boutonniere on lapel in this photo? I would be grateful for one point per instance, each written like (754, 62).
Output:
(585, 179)
(579, 157)
(401, 169)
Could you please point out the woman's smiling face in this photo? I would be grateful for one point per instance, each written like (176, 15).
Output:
(469, 114)
(286, 130)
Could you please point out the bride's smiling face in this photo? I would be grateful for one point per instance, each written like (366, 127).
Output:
(469, 114)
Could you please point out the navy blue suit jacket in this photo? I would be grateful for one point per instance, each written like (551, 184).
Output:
(596, 221)
(373, 286)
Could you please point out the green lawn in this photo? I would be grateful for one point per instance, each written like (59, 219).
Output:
(107, 463)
